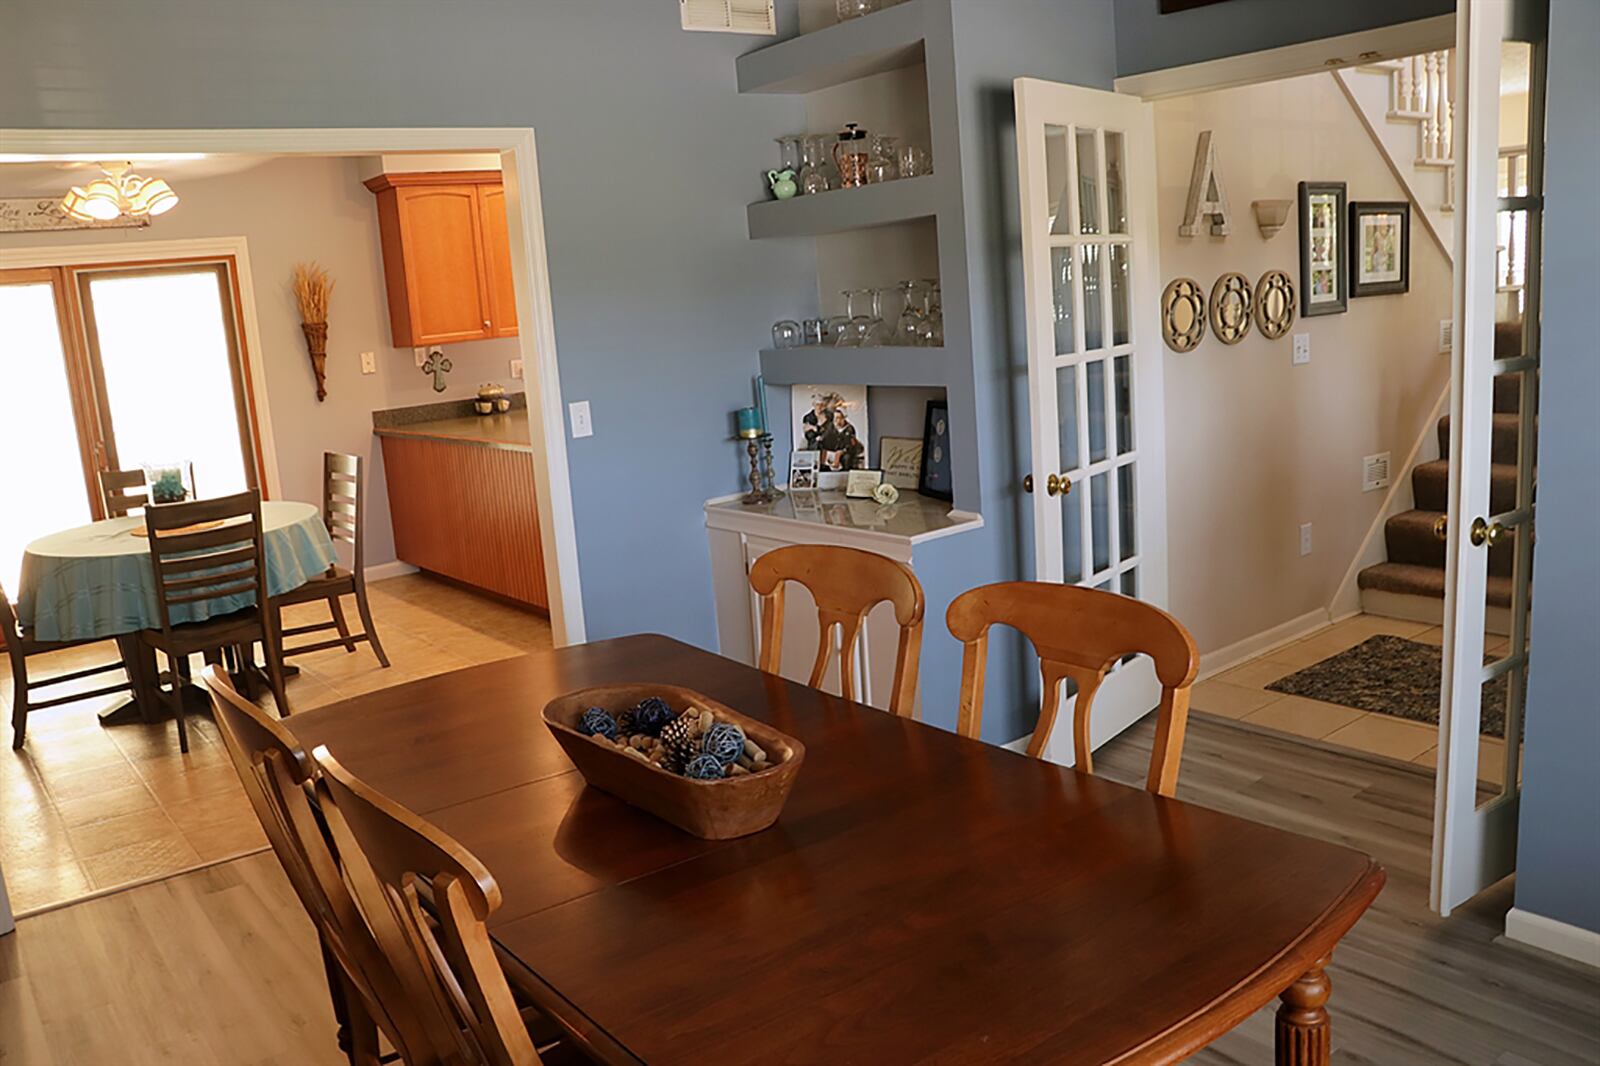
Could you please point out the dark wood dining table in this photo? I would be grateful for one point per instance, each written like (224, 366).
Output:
(923, 898)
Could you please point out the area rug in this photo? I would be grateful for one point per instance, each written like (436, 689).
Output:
(1393, 676)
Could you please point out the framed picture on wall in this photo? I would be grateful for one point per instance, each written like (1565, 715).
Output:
(831, 420)
(1324, 249)
(1381, 233)
(935, 478)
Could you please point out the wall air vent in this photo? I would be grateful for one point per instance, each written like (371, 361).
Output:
(1375, 472)
(728, 16)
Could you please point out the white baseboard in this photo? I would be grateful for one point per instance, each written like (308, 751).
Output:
(1558, 938)
(390, 569)
(1214, 662)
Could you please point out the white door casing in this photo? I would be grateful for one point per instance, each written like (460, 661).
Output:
(1086, 169)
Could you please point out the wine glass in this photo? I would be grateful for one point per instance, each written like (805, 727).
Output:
(881, 163)
(817, 175)
(908, 330)
(858, 324)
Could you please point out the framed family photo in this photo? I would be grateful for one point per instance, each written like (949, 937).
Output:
(831, 420)
(1381, 234)
(1324, 249)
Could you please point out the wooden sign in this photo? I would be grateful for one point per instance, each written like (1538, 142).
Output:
(1207, 197)
(43, 214)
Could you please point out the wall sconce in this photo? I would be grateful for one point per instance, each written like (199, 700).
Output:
(1270, 216)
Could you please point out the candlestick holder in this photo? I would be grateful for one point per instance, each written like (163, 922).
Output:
(758, 446)
(768, 489)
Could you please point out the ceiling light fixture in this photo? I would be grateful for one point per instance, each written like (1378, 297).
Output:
(119, 193)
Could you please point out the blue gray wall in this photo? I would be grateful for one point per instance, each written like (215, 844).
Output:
(1148, 40)
(1558, 848)
(648, 156)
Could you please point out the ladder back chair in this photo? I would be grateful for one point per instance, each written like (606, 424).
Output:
(427, 900)
(19, 646)
(125, 491)
(1078, 634)
(278, 776)
(344, 513)
(846, 584)
(208, 560)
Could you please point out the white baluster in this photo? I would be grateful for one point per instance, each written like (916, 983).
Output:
(1400, 88)
(1419, 78)
(1430, 89)
(1447, 110)
(1511, 252)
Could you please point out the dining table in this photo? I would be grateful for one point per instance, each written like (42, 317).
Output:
(922, 897)
(95, 582)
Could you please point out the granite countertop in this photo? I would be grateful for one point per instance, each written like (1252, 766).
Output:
(912, 517)
(454, 422)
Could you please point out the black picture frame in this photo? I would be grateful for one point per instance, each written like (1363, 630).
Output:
(934, 478)
(1332, 233)
(1378, 208)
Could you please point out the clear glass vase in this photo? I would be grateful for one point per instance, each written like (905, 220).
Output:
(818, 174)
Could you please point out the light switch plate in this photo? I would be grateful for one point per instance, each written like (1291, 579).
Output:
(369, 362)
(1305, 539)
(1302, 349)
(516, 369)
(421, 355)
(578, 412)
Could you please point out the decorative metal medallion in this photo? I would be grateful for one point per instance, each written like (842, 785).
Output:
(1275, 304)
(1183, 314)
(1230, 307)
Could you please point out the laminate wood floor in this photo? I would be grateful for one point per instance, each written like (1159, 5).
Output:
(220, 966)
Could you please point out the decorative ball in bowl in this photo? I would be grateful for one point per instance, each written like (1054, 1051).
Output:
(681, 756)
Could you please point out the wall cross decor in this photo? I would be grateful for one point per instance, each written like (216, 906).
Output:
(1207, 197)
(437, 364)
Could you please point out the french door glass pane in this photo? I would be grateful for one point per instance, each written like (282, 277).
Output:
(1088, 184)
(42, 485)
(1122, 398)
(1093, 309)
(1119, 294)
(1071, 538)
(1067, 415)
(1130, 582)
(1061, 285)
(1127, 512)
(1116, 189)
(163, 345)
(1096, 378)
(1057, 178)
(1100, 520)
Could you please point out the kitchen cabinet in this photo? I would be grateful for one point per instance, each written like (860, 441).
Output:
(446, 257)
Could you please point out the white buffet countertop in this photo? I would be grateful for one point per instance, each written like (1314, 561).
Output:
(912, 518)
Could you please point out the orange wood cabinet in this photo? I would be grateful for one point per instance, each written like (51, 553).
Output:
(446, 256)
(468, 512)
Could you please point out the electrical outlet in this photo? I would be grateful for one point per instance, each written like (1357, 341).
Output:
(1305, 538)
(1447, 334)
(578, 411)
(421, 355)
(1302, 349)
(369, 362)
(516, 369)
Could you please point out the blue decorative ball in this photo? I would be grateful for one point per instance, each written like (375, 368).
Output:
(725, 741)
(704, 767)
(598, 721)
(651, 714)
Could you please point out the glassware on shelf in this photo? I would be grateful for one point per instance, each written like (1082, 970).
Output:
(850, 154)
(882, 330)
(856, 327)
(854, 9)
(789, 154)
(817, 175)
(814, 329)
(787, 334)
(882, 164)
(836, 331)
(908, 330)
(915, 161)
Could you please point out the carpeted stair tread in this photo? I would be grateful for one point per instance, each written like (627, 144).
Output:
(1430, 486)
(1409, 538)
(1507, 393)
(1504, 446)
(1409, 579)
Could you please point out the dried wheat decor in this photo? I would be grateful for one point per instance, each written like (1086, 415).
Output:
(312, 287)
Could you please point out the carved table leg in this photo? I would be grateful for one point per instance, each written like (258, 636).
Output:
(1303, 1030)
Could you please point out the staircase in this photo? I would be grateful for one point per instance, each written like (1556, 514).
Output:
(1410, 583)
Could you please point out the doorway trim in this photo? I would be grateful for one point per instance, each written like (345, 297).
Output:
(529, 269)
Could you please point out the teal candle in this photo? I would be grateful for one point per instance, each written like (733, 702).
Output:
(749, 422)
(761, 401)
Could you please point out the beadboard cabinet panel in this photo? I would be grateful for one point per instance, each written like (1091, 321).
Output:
(467, 512)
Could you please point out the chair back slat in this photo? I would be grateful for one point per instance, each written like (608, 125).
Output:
(344, 501)
(846, 584)
(277, 776)
(124, 491)
(180, 559)
(444, 956)
(1079, 634)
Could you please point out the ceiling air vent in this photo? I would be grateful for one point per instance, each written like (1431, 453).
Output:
(728, 16)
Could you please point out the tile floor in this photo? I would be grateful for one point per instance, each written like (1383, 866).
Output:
(85, 808)
(1241, 694)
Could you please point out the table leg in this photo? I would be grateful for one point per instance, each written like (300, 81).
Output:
(1303, 1027)
(145, 705)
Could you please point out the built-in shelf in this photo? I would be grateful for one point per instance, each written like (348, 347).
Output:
(827, 365)
(845, 209)
(884, 40)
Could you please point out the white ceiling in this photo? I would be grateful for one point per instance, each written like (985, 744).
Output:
(53, 177)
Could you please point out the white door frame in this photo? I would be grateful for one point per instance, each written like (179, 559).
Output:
(530, 272)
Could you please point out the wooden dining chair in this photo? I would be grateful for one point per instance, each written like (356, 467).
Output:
(125, 491)
(344, 513)
(427, 901)
(208, 559)
(1078, 634)
(846, 583)
(19, 646)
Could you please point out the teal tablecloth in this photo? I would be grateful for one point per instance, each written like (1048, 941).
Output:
(96, 580)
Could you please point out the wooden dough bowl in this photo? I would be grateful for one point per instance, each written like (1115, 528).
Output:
(712, 810)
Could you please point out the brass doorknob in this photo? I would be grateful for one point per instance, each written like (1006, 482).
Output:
(1490, 533)
(1057, 485)
(1441, 526)
(1027, 483)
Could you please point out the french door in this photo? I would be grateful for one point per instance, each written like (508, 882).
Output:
(1086, 167)
(1493, 409)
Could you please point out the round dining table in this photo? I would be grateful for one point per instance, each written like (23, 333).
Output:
(95, 582)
